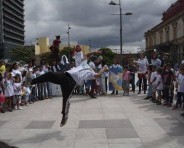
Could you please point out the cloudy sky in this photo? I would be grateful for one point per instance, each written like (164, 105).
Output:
(91, 21)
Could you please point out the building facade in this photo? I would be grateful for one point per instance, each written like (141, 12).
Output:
(168, 36)
(11, 25)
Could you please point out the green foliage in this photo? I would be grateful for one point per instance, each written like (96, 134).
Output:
(108, 55)
(22, 54)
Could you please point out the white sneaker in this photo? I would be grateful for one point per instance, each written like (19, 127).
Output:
(15, 107)
(20, 108)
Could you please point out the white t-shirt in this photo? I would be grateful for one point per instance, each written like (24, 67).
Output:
(82, 73)
(181, 83)
(142, 65)
(159, 79)
(153, 76)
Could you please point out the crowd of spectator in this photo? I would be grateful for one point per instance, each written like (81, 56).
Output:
(158, 78)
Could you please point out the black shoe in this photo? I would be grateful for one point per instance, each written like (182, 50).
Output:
(112, 93)
(92, 95)
(116, 92)
(155, 101)
(3, 111)
(147, 98)
(182, 114)
(138, 92)
(10, 110)
(159, 103)
(63, 121)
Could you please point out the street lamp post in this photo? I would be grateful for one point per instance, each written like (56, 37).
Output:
(128, 13)
(68, 32)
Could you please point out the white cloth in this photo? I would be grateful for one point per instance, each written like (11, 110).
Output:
(180, 83)
(153, 78)
(82, 73)
(142, 63)
(159, 79)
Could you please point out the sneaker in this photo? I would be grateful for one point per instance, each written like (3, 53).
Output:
(10, 110)
(147, 98)
(159, 103)
(20, 108)
(138, 92)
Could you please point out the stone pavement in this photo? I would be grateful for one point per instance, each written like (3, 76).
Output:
(106, 122)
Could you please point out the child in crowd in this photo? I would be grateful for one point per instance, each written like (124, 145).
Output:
(18, 92)
(25, 93)
(159, 86)
(152, 83)
(8, 92)
(126, 81)
(180, 88)
(148, 76)
(168, 78)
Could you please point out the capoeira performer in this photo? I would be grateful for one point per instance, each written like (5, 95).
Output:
(68, 80)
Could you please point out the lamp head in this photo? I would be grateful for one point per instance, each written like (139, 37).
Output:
(112, 3)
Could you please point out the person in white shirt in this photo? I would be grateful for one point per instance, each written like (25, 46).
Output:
(68, 80)
(78, 55)
(15, 70)
(18, 92)
(142, 64)
(8, 83)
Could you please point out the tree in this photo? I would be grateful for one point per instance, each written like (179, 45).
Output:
(108, 55)
(22, 54)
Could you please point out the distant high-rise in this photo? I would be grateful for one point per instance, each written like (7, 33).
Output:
(11, 25)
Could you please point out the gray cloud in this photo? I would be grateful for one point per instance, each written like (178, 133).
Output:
(91, 20)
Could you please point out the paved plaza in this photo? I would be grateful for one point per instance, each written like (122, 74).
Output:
(112, 121)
